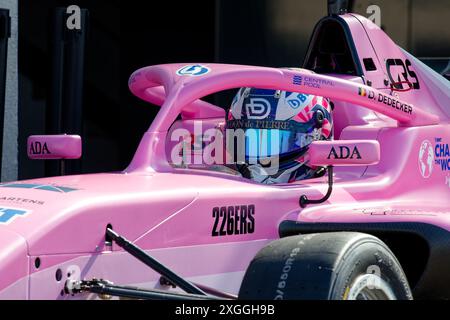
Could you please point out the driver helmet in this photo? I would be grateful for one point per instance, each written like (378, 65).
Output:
(271, 132)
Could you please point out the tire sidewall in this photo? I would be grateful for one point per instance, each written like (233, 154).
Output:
(364, 257)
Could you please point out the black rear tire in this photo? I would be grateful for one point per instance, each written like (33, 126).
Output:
(325, 266)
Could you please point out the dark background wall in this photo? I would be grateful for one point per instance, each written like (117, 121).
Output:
(123, 36)
(127, 35)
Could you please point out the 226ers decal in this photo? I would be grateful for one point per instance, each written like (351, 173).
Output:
(233, 220)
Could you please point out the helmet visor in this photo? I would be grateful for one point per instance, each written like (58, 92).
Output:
(259, 144)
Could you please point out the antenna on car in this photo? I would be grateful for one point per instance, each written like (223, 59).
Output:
(338, 7)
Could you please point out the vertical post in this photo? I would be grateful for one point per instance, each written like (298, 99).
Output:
(57, 73)
(409, 34)
(74, 75)
(65, 112)
(338, 7)
(54, 108)
(5, 33)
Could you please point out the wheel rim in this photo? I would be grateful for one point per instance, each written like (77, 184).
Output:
(370, 287)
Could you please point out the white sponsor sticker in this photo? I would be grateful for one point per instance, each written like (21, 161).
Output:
(426, 159)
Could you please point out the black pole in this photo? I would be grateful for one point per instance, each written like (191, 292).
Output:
(142, 256)
(72, 115)
(339, 7)
(5, 33)
(54, 108)
(132, 293)
(304, 200)
(65, 110)
(103, 288)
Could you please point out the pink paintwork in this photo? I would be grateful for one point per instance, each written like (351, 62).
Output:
(344, 153)
(51, 147)
(59, 222)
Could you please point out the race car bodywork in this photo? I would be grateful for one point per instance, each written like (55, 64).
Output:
(208, 225)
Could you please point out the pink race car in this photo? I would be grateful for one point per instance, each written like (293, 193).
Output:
(178, 224)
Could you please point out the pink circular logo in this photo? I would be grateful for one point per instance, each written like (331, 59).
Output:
(426, 159)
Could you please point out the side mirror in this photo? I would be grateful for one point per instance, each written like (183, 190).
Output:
(344, 153)
(52, 147)
(340, 153)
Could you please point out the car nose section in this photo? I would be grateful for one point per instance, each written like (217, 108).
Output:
(14, 265)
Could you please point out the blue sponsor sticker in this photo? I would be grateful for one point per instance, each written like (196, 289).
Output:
(296, 101)
(297, 80)
(312, 82)
(193, 70)
(442, 154)
(45, 187)
(294, 104)
(7, 214)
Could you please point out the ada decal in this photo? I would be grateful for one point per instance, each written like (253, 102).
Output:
(426, 159)
(233, 220)
(442, 154)
(387, 100)
(344, 153)
(7, 214)
(193, 70)
(37, 148)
